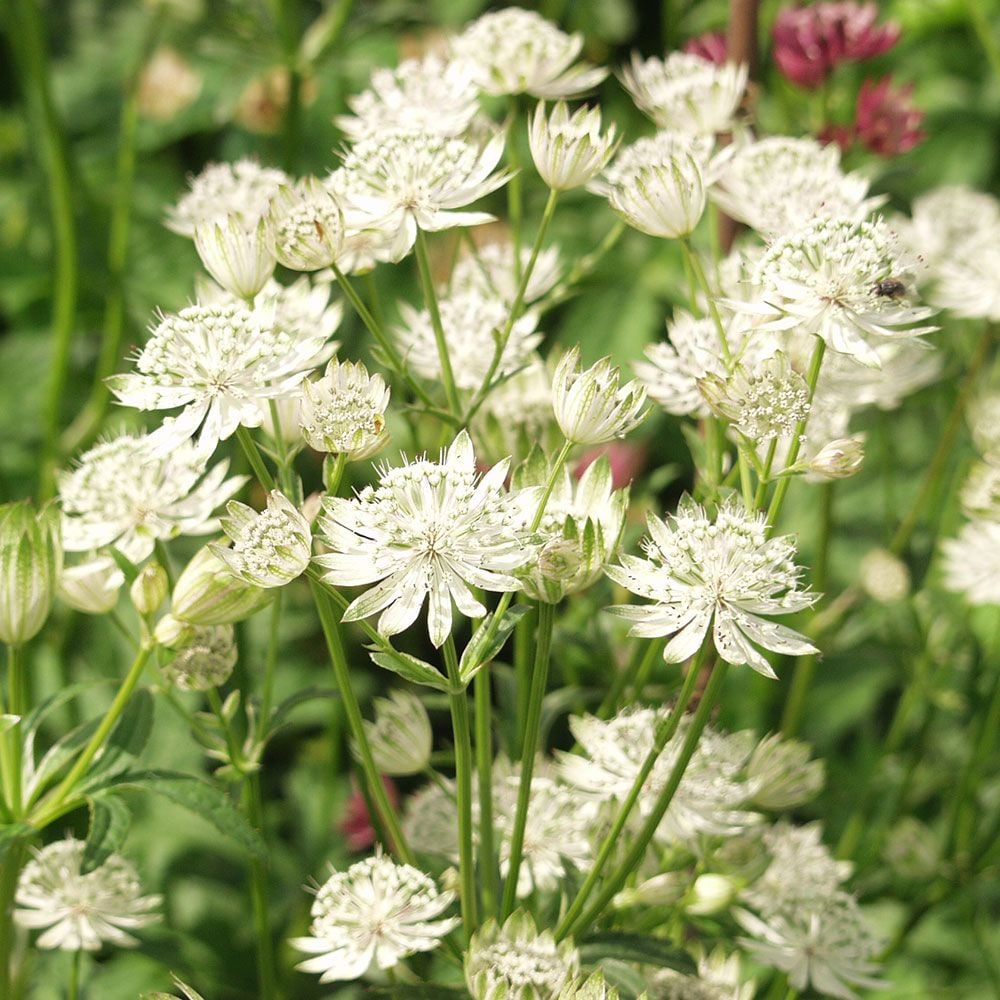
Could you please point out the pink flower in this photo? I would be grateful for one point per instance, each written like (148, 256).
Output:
(710, 46)
(809, 42)
(356, 824)
(626, 461)
(887, 122)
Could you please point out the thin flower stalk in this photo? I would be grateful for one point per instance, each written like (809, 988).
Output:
(266, 981)
(431, 301)
(488, 870)
(15, 706)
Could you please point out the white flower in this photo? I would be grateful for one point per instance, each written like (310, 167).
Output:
(344, 411)
(92, 586)
(243, 189)
(839, 459)
(81, 911)
(205, 658)
(884, 577)
(980, 495)
(372, 916)
(126, 493)
(237, 253)
(772, 184)
(946, 219)
(428, 530)
(983, 417)
(783, 774)
(971, 562)
(569, 151)
(429, 94)
(401, 181)
(400, 736)
(489, 270)
(592, 406)
(472, 320)
(306, 226)
(220, 363)
(967, 282)
(905, 367)
(515, 51)
(685, 92)
(270, 547)
(516, 962)
(839, 280)
(657, 185)
(722, 574)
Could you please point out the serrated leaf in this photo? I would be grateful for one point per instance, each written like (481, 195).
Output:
(409, 668)
(479, 651)
(128, 739)
(638, 948)
(109, 822)
(59, 754)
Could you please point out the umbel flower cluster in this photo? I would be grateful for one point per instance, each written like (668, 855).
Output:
(446, 505)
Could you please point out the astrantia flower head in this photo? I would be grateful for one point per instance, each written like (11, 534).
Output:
(243, 189)
(343, 413)
(967, 280)
(721, 573)
(489, 270)
(783, 774)
(270, 547)
(220, 363)
(944, 219)
(886, 121)
(428, 94)
(685, 92)
(569, 150)
(403, 180)
(81, 911)
(594, 987)
(429, 530)
(515, 51)
(204, 658)
(306, 226)
(516, 962)
(371, 917)
(970, 562)
(207, 593)
(126, 493)
(842, 281)
(718, 978)
(471, 318)
(400, 736)
(31, 562)
(905, 367)
(774, 183)
(592, 406)
(239, 254)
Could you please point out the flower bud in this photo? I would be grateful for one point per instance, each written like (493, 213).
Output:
(884, 577)
(343, 413)
(569, 151)
(271, 547)
(204, 660)
(172, 632)
(664, 889)
(400, 736)
(239, 257)
(149, 589)
(591, 407)
(207, 593)
(307, 226)
(782, 774)
(30, 567)
(839, 459)
(92, 586)
(710, 894)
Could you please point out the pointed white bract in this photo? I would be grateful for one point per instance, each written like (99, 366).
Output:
(428, 531)
(400, 735)
(343, 413)
(372, 916)
(81, 911)
(718, 574)
(569, 151)
(31, 562)
(516, 51)
(306, 226)
(92, 585)
(238, 255)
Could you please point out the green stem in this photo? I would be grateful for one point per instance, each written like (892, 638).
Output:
(623, 679)
(10, 871)
(431, 301)
(616, 880)
(523, 634)
(258, 894)
(664, 733)
(761, 494)
(489, 874)
(15, 706)
(270, 661)
(255, 458)
(514, 196)
(694, 262)
(463, 779)
(355, 723)
(288, 21)
(51, 806)
(529, 744)
(28, 40)
(73, 989)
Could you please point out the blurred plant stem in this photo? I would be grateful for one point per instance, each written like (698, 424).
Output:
(82, 431)
(515, 196)
(9, 873)
(27, 40)
(13, 736)
(258, 893)
(433, 309)
(489, 873)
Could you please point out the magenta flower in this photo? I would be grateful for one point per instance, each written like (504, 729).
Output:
(355, 823)
(710, 46)
(626, 460)
(887, 122)
(809, 42)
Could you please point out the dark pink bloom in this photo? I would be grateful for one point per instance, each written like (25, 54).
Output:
(710, 46)
(809, 42)
(626, 461)
(356, 824)
(842, 135)
(887, 121)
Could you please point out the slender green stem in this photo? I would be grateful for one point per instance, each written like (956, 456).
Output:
(271, 661)
(796, 443)
(15, 706)
(514, 195)
(698, 271)
(291, 125)
(355, 724)
(73, 988)
(9, 872)
(616, 880)
(761, 494)
(431, 301)
(529, 744)
(523, 635)
(258, 894)
(664, 733)
(489, 875)
(459, 706)
(623, 679)
(51, 806)
(255, 458)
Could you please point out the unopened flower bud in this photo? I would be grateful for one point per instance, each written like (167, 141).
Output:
(149, 589)
(30, 566)
(782, 774)
(172, 632)
(207, 593)
(884, 577)
(592, 407)
(400, 736)
(237, 255)
(344, 411)
(270, 547)
(839, 459)
(92, 586)
(664, 889)
(204, 660)
(307, 226)
(913, 850)
(710, 894)
(569, 150)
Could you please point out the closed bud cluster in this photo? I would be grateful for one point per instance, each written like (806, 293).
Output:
(839, 459)
(782, 774)
(592, 406)
(237, 254)
(204, 657)
(569, 150)
(343, 413)
(149, 589)
(306, 226)
(207, 593)
(400, 736)
(31, 559)
(271, 547)
(884, 576)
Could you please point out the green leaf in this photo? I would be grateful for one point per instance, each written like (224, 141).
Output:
(109, 822)
(408, 667)
(479, 652)
(415, 991)
(10, 834)
(638, 948)
(293, 701)
(128, 739)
